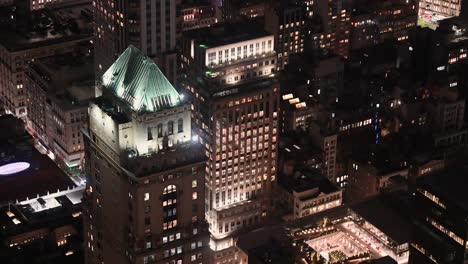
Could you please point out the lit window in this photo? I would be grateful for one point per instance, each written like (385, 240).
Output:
(194, 195)
(146, 198)
(194, 183)
(169, 189)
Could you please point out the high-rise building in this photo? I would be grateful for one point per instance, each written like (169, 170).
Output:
(40, 4)
(335, 15)
(230, 9)
(375, 21)
(325, 137)
(252, 9)
(229, 74)
(286, 20)
(144, 201)
(446, 113)
(151, 26)
(440, 228)
(20, 45)
(199, 15)
(436, 10)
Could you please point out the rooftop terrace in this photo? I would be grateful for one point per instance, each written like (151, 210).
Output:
(48, 27)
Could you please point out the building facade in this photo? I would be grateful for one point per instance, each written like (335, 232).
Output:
(373, 22)
(151, 26)
(58, 91)
(198, 16)
(441, 9)
(145, 175)
(440, 228)
(308, 192)
(236, 106)
(17, 51)
(336, 20)
(287, 22)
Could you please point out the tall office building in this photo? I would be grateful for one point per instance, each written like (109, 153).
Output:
(151, 26)
(230, 9)
(376, 21)
(199, 15)
(437, 10)
(286, 20)
(335, 15)
(144, 201)
(229, 74)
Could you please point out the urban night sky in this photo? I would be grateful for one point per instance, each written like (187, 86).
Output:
(233, 132)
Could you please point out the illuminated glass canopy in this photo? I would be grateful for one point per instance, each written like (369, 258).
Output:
(136, 79)
(13, 168)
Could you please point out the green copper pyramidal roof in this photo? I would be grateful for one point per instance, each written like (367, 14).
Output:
(136, 79)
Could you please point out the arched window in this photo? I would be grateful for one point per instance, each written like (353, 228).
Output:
(170, 128)
(169, 198)
(180, 125)
(160, 130)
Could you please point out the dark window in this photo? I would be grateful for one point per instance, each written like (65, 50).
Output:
(150, 134)
(160, 130)
(170, 128)
(180, 125)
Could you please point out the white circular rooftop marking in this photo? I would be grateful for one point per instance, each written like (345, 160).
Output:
(13, 168)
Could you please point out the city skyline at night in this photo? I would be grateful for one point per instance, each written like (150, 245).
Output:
(233, 132)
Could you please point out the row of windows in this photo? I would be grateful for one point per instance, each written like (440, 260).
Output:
(236, 225)
(170, 129)
(242, 52)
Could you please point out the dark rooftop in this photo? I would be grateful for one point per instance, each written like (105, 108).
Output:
(273, 252)
(68, 79)
(449, 185)
(388, 214)
(363, 7)
(306, 180)
(15, 127)
(49, 27)
(224, 34)
(387, 157)
(75, 97)
(382, 260)
(298, 145)
(41, 177)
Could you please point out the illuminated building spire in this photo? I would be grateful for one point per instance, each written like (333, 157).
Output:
(136, 79)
